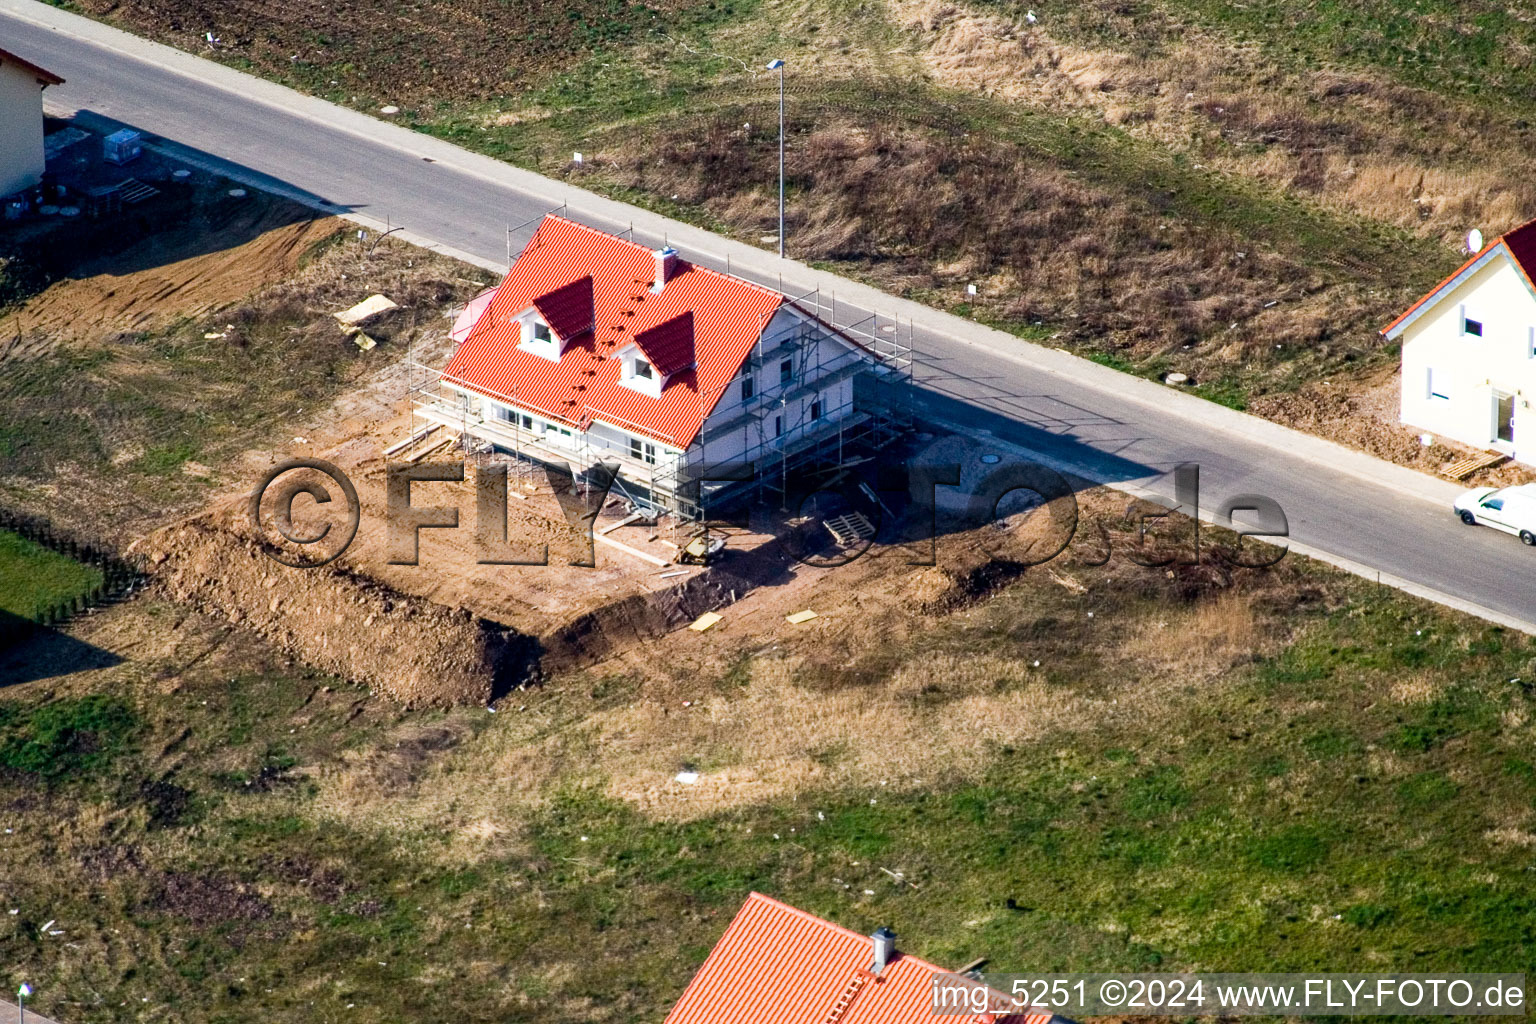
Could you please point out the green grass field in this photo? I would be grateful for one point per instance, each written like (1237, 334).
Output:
(34, 579)
(1362, 796)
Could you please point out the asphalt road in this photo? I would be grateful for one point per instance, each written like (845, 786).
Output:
(1075, 415)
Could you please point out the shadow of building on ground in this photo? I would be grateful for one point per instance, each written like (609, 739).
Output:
(31, 653)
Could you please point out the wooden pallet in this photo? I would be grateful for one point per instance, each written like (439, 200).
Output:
(1463, 468)
(850, 528)
(135, 191)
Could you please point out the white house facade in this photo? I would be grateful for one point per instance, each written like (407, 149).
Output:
(1469, 351)
(21, 122)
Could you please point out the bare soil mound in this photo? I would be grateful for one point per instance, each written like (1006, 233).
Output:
(404, 647)
(175, 273)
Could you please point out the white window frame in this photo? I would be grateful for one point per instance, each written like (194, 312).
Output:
(630, 357)
(1482, 325)
(642, 450)
(1432, 377)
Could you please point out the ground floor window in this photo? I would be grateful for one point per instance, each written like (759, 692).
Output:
(1439, 384)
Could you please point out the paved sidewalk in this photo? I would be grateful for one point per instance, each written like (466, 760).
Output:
(10, 1013)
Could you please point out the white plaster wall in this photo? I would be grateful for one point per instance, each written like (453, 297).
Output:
(21, 129)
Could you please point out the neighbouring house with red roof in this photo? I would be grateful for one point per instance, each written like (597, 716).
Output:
(1469, 350)
(779, 965)
(596, 348)
(21, 121)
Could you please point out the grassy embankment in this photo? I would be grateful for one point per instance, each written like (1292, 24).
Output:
(1300, 771)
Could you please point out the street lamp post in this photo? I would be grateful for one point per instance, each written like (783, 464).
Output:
(778, 65)
(21, 1001)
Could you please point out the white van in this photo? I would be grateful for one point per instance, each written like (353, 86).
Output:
(1511, 509)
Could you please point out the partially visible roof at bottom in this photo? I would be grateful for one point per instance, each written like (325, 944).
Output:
(779, 965)
(1519, 243)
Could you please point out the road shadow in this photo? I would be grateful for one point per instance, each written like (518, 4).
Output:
(171, 203)
(31, 653)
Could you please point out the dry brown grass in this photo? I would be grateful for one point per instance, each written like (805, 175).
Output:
(1198, 643)
(792, 728)
(937, 212)
(1354, 140)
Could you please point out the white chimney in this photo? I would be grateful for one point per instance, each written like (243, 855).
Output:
(885, 948)
(666, 266)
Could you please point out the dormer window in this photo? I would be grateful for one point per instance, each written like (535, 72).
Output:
(536, 337)
(637, 373)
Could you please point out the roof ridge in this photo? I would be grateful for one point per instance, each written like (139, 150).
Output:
(599, 231)
(849, 932)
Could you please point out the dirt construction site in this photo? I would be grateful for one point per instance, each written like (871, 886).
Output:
(456, 630)
(191, 369)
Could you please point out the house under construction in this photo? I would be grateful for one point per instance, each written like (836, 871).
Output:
(598, 349)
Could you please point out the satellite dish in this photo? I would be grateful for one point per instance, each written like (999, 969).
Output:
(1474, 241)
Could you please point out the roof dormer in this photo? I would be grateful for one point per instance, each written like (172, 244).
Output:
(638, 373)
(557, 318)
(537, 337)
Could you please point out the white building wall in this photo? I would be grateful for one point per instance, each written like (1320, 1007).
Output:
(21, 129)
(748, 440)
(1451, 379)
(789, 403)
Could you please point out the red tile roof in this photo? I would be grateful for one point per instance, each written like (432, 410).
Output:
(669, 346)
(726, 316)
(43, 75)
(779, 965)
(1519, 243)
(568, 309)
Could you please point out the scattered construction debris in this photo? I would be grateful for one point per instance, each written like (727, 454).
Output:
(366, 310)
(705, 621)
(701, 549)
(799, 617)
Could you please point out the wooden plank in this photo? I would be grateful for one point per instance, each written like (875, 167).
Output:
(800, 617)
(624, 522)
(850, 528)
(402, 445)
(644, 556)
(1463, 468)
(439, 446)
(705, 621)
